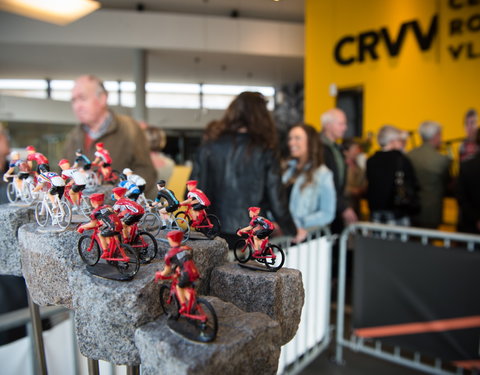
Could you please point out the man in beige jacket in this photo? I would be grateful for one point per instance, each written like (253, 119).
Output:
(121, 135)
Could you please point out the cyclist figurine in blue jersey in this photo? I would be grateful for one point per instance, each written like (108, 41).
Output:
(170, 202)
(133, 192)
(81, 161)
(261, 228)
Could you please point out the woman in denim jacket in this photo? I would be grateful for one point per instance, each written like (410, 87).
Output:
(308, 181)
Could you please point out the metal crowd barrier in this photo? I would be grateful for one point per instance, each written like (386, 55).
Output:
(313, 259)
(345, 339)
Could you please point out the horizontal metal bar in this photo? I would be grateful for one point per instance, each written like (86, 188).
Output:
(21, 317)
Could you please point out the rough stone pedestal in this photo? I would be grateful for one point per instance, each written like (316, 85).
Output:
(49, 259)
(11, 219)
(246, 343)
(108, 312)
(279, 294)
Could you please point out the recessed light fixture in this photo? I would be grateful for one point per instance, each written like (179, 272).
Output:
(60, 12)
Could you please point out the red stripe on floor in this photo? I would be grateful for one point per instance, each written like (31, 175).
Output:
(420, 327)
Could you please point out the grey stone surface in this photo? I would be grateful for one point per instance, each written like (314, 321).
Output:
(11, 219)
(48, 260)
(246, 343)
(279, 294)
(207, 254)
(108, 312)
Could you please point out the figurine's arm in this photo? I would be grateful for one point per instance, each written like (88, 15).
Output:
(244, 230)
(8, 174)
(38, 187)
(92, 224)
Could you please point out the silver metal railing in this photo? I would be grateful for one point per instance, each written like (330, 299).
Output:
(374, 347)
(313, 259)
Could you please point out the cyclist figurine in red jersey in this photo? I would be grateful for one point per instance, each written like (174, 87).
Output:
(39, 158)
(179, 262)
(103, 159)
(261, 228)
(104, 218)
(129, 212)
(198, 201)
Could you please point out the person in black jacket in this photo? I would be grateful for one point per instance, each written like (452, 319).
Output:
(237, 167)
(334, 126)
(468, 193)
(381, 174)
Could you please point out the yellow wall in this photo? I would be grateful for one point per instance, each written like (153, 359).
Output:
(404, 90)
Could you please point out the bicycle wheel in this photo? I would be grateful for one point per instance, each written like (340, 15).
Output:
(64, 215)
(41, 213)
(169, 304)
(214, 230)
(146, 246)
(92, 181)
(183, 215)
(275, 257)
(12, 192)
(85, 206)
(89, 250)
(131, 267)
(181, 224)
(151, 223)
(207, 330)
(27, 194)
(242, 251)
(114, 177)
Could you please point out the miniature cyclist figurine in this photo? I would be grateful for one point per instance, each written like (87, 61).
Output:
(172, 202)
(53, 181)
(135, 178)
(39, 158)
(133, 192)
(129, 212)
(74, 178)
(104, 218)
(17, 168)
(261, 228)
(179, 261)
(81, 161)
(103, 159)
(198, 200)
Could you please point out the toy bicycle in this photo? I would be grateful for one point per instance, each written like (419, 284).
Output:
(112, 176)
(207, 224)
(152, 222)
(84, 207)
(121, 255)
(200, 315)
(143, 242)
(58, 213)
(272, 256)
(25, 194)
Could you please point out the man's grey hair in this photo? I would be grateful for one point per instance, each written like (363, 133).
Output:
(327, 118)
(429, 129)
(470, 113)
(100, 89)
(387, 134)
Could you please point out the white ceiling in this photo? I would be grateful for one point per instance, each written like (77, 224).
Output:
(63, 62)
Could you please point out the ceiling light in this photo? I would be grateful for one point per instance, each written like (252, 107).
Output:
(60, 12)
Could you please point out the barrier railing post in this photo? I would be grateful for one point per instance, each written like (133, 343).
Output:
(342, 266)
(41, 363)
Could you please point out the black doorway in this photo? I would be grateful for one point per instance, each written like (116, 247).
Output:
(351, 102)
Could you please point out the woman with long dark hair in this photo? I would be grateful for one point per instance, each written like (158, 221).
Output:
(237, 166)
(308, 181)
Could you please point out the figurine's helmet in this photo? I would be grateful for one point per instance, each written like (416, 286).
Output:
(255, 210)
(120, 191)
(79, 151)
(14, 155)
(30, 148)
(63, 161)
(175, 235)
(43, 168)
(97, 197)
(192, 183)
(127, 171)
(99, 144)
(162, 183)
